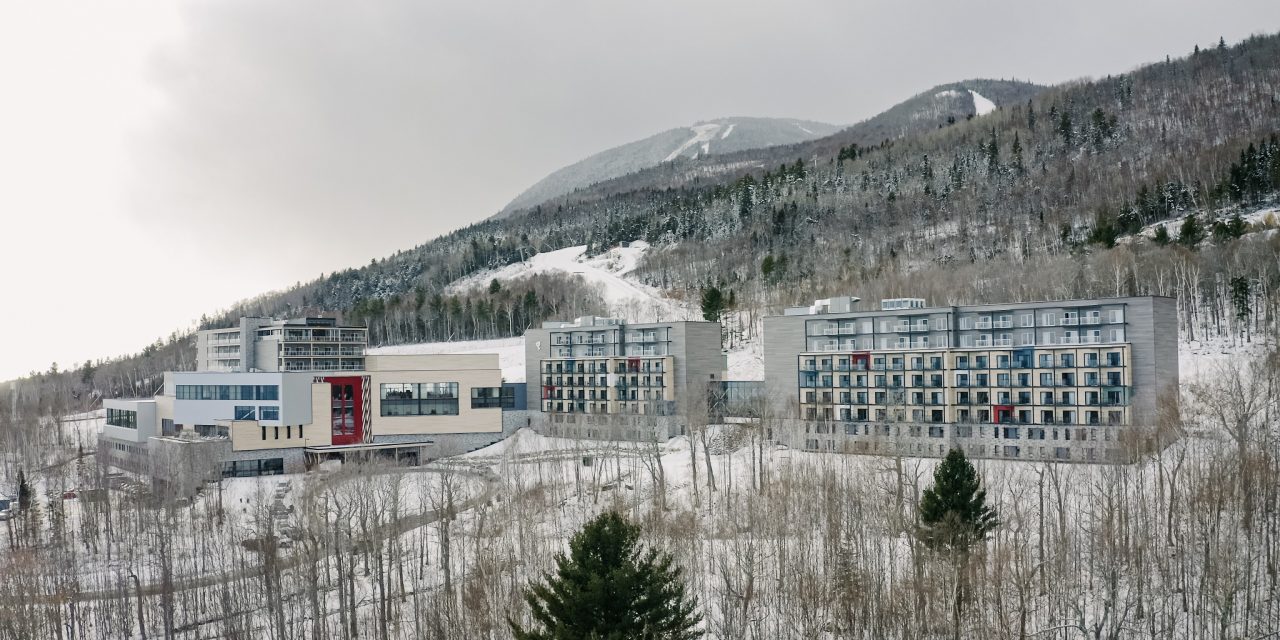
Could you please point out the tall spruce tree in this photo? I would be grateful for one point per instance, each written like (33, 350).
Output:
(1191, 234)
(713, 303)
(954, 517)
(608, 588)
(953, 512)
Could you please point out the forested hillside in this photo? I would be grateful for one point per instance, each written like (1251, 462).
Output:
(1028, 201)
(720, 136)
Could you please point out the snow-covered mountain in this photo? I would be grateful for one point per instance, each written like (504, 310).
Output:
(725, 135)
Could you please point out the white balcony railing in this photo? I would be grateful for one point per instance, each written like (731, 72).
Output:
(1002, 324)
(1070, 321)
(982, 324)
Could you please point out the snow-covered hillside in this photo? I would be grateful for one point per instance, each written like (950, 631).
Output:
(722, 135)
(607, 271)
(1265, 219)
(981, 105)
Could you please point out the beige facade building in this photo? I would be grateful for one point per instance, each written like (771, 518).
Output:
(411, 407)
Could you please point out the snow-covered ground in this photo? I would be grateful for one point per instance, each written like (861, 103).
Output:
(981, 105)
(1263, 219)
(703, 134)
(510, 352)
(626, 297)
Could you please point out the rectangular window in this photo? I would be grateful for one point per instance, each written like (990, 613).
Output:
(268, 413)
(497, 397)
(122, 418)
(419, 399)
(247, 412)
(226, 392)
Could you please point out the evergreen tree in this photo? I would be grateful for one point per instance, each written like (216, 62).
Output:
(766, 266)
(24, 491)
(953, 512)
(713, 303)
(993, 154)
(1162, 235)
(1065, 128)
(1229, 229)
(1018, 166)
(494, 286)
(1240, 297)
(954, 517)
(1191, 234)
(608, 588)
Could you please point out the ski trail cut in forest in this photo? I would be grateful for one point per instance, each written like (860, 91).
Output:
(981, 105)
(702, 134)
(626, 298)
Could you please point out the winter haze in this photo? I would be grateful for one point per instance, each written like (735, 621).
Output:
(212, 151)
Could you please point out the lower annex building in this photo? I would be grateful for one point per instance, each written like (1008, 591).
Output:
(254, 423)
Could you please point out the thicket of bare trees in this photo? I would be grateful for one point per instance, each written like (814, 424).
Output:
(775, 543)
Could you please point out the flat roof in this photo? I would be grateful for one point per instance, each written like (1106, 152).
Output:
(1082, 302)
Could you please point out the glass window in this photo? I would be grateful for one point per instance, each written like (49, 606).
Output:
(419, 399)
(246, 413)
(496, 397)
(226, 392)
(268, 413)
(123, 418)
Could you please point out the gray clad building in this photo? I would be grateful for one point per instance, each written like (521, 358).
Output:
(264, 344)
(602, 368)
(1063, 380)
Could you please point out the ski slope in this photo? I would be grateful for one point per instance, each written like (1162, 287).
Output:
(626, 298)
(981, 105)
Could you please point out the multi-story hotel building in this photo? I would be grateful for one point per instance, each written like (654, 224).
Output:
(605, 366)
(1064, 380)
(263, 344)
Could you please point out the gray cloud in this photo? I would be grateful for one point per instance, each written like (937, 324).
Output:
(341, 131)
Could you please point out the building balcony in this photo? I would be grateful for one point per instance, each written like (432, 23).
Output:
(1069, 322)
(1002, 324)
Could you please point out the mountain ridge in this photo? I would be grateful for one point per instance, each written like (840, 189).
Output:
(726, 135)
(936, 107)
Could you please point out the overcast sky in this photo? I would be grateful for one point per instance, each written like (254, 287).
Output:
(163, 159)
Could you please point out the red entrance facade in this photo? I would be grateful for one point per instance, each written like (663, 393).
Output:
(347, 409)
